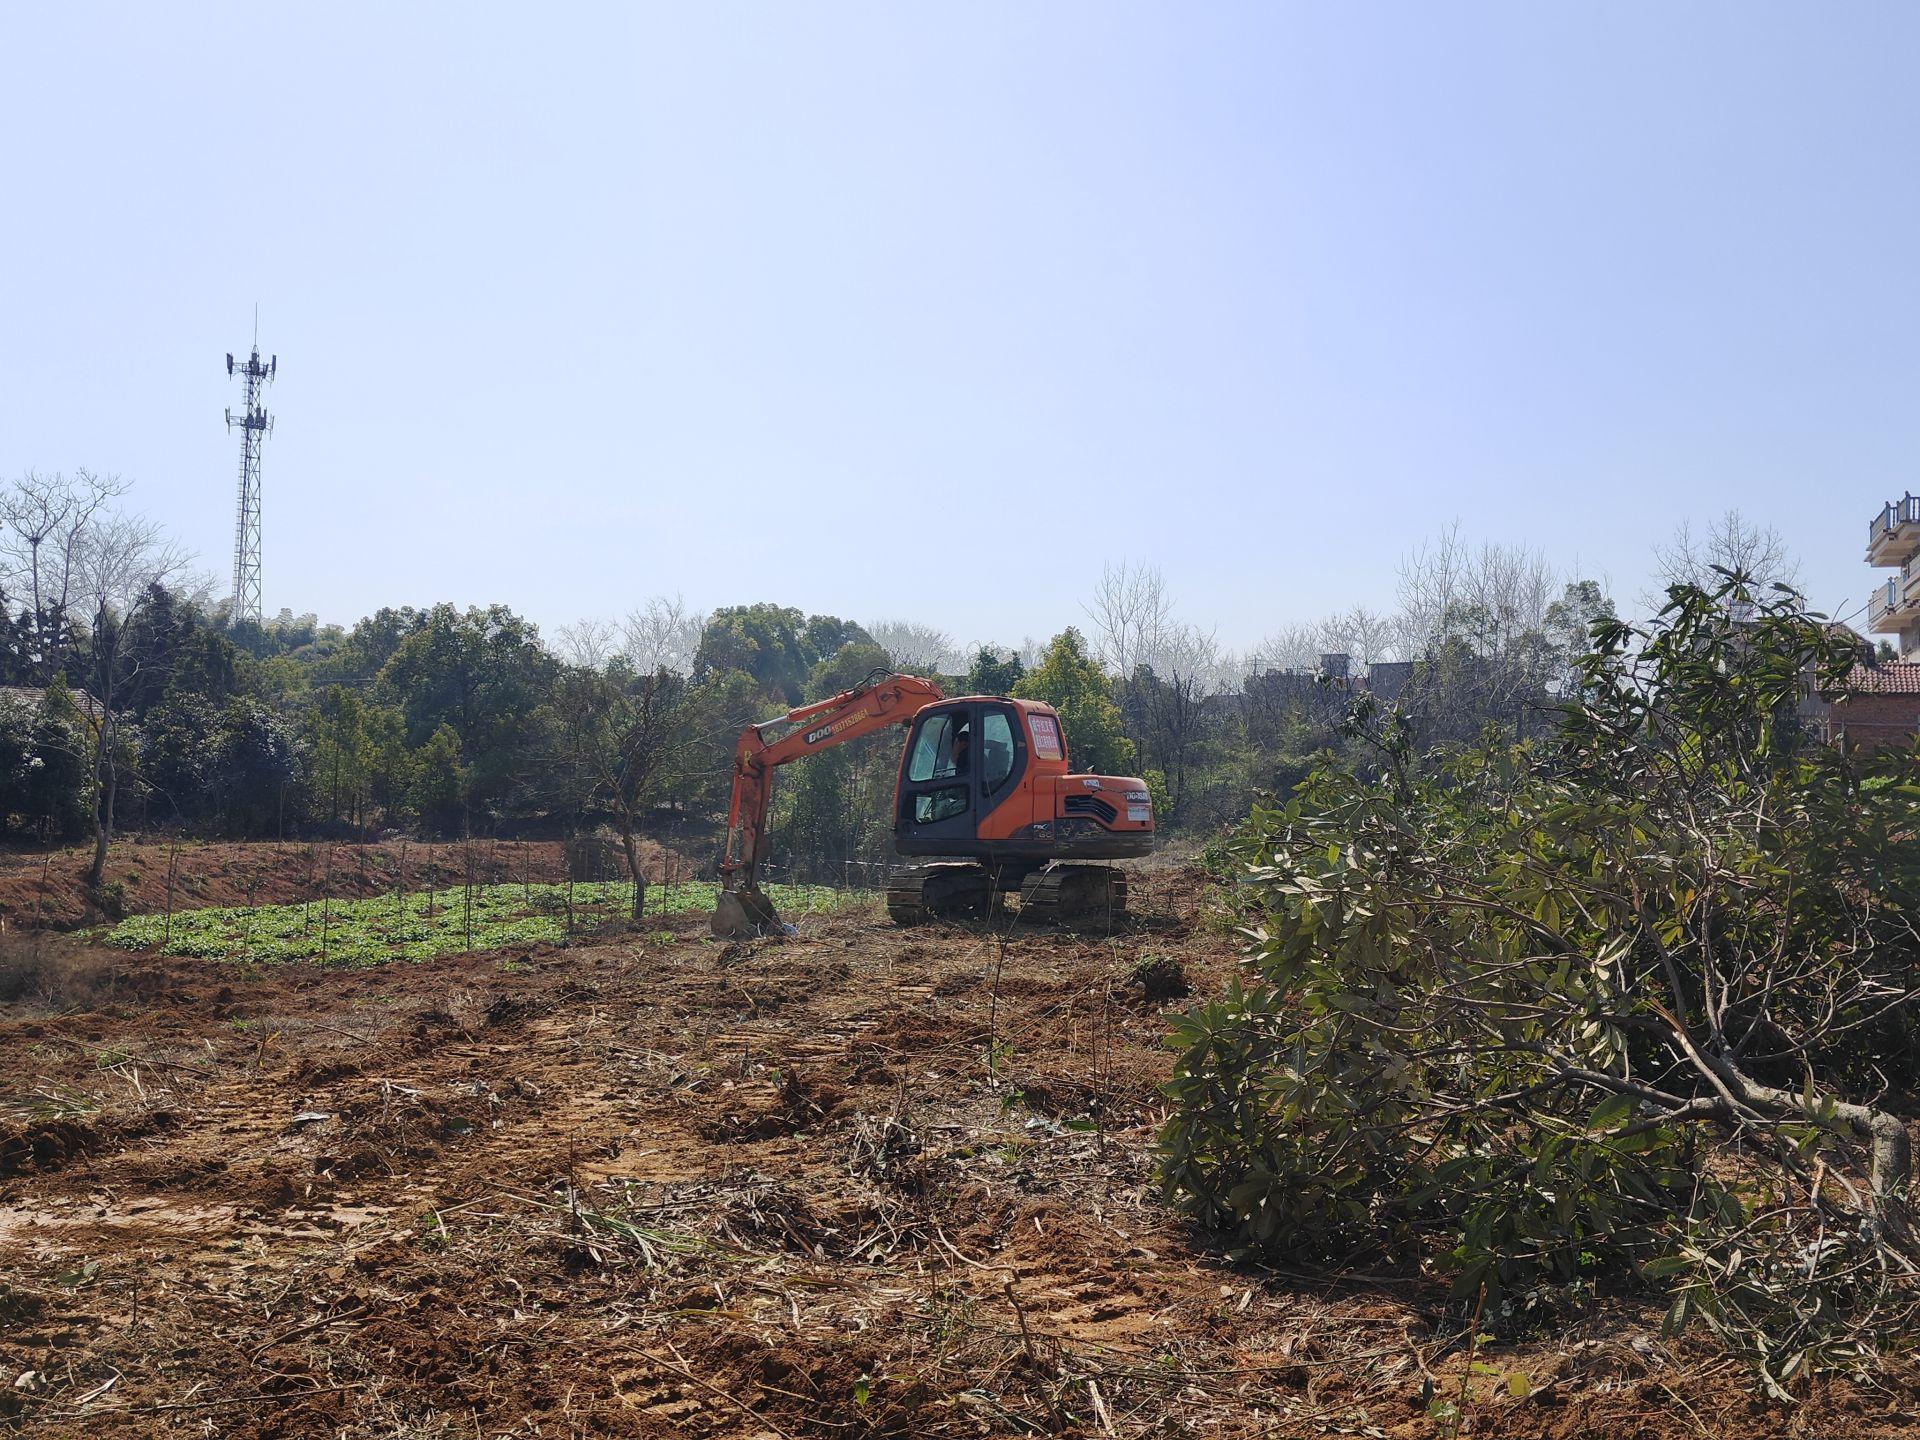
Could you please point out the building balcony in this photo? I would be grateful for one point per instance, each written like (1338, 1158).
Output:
(1894, 605)
(1893, 536)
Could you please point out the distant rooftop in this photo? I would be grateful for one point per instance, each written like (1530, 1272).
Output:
(1890, 677)
(35, 696)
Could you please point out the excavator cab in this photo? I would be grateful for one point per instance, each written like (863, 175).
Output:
(962, 761)
(985, 786)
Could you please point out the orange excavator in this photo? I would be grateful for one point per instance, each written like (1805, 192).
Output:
(986, 804)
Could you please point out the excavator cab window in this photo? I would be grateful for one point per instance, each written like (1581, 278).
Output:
(941, 748)
(996, 751)
(933, 748)
(933, 806)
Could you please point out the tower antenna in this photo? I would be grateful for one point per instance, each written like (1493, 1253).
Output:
(255, 425)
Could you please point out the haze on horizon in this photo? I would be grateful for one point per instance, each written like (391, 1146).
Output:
(879, 312)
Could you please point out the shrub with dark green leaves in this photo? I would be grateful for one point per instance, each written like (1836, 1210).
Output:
(1620, 1005)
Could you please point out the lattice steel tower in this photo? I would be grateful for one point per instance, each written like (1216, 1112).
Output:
(255, 425)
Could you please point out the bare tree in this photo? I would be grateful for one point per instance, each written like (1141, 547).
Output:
(661, 635)
(1129, 611)
(918, 648)
(1292, 647)
(1489, 596)
(118, 562)
(1475, 618)
(47, 522)
(1732, 544)
(587, 643)
(1363, 634)
(201, 590)
(623, 737)
(1175, 679)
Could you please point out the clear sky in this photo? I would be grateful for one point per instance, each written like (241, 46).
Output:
(898, 310)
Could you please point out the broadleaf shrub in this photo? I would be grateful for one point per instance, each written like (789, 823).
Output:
(1619, 1005)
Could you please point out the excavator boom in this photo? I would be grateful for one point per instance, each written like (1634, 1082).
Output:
(881, 702)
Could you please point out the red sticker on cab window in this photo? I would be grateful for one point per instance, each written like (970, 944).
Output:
(1046, 737)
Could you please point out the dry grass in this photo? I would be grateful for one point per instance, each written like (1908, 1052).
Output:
(48, 971)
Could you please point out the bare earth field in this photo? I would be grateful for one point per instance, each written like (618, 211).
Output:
(839, 1185)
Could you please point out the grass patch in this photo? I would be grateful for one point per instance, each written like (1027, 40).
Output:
(387, 927)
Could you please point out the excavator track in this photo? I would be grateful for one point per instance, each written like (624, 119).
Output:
(1089, 896)
(937, 889)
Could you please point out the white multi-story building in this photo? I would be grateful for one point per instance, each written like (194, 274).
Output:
(1893, 542)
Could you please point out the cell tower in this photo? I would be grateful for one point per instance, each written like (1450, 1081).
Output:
(255, 425)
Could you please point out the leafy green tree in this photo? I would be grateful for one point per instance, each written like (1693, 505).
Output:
(438, 787)
(42, 773)
(356, 756)
(16, 645)
(717, 709)
(58, 790)
(1570, 625)
(845, 668)
(775, 644)
(337, 757)
(835, 807)
(1630, 1002)
(824, 635)
(990, 674)
(365, 650)
(1072, 681)
(481, 672)
(255, 769)
(16, 756)
(180, 756)
(762, 641)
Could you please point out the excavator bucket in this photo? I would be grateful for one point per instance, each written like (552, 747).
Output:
(744, 913)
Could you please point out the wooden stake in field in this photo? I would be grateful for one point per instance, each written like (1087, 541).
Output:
(326, 907)
(246, 931)
(306, 899)
(173, 866)
(45, 865)
(993, 1007)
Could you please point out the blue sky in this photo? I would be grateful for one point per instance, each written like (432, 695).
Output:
(905, 311)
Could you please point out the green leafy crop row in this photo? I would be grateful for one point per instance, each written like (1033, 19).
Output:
(420, 927)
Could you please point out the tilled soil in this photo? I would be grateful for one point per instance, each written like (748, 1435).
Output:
(862, 1181)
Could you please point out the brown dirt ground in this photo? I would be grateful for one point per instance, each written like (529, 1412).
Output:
(48, 888)
(653, 1185)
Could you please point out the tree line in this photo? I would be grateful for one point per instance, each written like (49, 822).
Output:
(132, 701)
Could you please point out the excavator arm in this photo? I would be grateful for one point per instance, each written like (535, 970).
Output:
(881, 702)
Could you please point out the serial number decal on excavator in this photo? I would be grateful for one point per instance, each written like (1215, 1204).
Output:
(1046, 737)
(827, 732)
